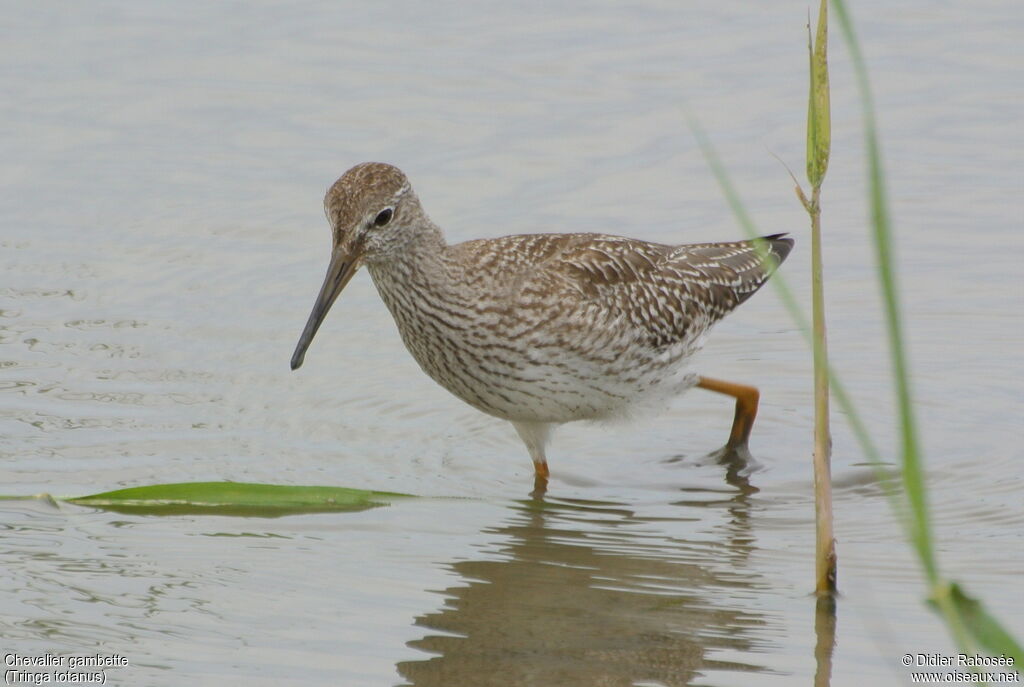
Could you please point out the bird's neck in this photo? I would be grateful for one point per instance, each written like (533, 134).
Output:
(420, 264)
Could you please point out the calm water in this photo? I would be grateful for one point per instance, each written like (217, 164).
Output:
(162, 240)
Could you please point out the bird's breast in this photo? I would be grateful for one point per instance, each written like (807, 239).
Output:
(531, 364)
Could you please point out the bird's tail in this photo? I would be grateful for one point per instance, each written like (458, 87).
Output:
(771, 251)
(733, 272)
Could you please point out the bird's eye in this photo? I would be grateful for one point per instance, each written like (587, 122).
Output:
(383, 217)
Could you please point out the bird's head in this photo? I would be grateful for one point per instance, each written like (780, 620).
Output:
(372, 211)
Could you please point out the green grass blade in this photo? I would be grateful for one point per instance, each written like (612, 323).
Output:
(984, 630)
(967, 620)
(235, 498)
(972, 627)
(913, 476)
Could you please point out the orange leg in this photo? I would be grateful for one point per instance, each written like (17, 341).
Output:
(746, 407)
(540, 480)
(540, 470)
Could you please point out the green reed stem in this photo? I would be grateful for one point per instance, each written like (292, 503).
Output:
(819, 144)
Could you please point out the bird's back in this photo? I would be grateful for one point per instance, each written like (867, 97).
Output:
(666, 294)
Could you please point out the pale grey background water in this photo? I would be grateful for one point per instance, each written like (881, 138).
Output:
(162, 239)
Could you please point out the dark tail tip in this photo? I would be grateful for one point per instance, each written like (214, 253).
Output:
(779, 246)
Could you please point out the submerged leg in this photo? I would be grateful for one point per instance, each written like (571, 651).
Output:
(746, 408)
(535, 436)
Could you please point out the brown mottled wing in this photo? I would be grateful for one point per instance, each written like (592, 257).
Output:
(670, 293)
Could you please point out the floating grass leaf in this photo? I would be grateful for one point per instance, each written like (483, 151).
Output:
(235, 498)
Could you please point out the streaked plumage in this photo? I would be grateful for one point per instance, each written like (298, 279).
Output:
(537, 329)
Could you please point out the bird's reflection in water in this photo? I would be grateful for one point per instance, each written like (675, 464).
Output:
(589, 593)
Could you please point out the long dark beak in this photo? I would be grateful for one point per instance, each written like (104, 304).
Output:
(343, 266)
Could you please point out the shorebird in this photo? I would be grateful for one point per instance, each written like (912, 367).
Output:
(540, 329)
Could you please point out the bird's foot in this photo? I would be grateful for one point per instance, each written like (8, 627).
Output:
(739, 464)
(540, 486)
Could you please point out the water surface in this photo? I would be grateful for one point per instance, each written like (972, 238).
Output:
(162, 240)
